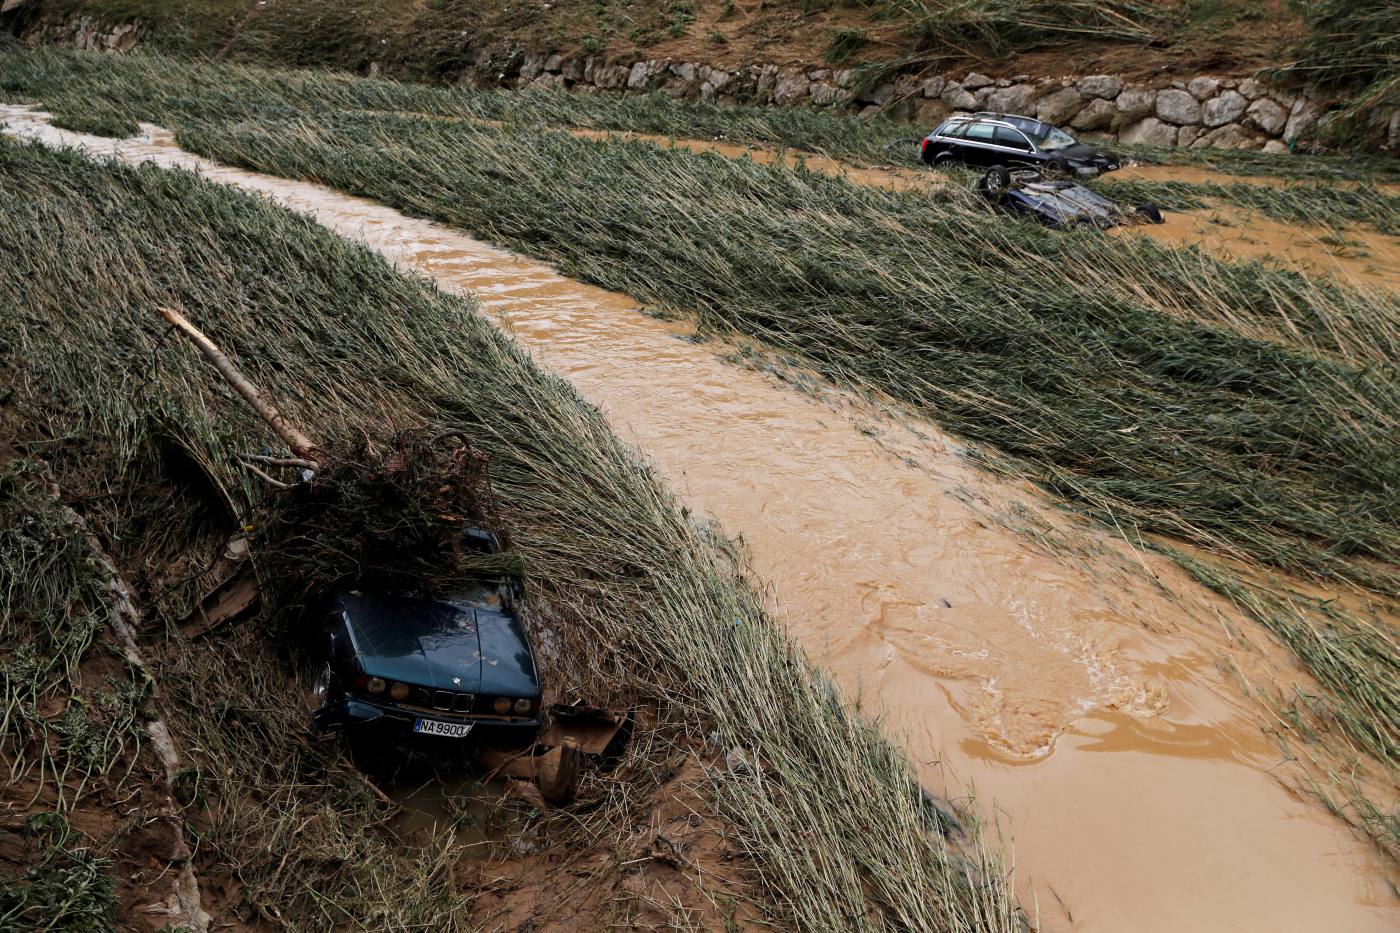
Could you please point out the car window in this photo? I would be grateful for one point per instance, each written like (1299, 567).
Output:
(953, 130)
(982, 132)
(1012, 139)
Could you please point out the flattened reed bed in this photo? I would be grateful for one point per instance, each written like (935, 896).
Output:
(1319, 205)
(1245, 409)
(127, 88)
(838, 832)
(1102, 395)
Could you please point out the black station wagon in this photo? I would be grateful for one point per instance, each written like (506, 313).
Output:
(437, 669)
(987, 139)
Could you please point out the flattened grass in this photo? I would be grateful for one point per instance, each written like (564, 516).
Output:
(1318, 205)
(1247, 410)
(1152, 422)
(835, 826)
(64, 79)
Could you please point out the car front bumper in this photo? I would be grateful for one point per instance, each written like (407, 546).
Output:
(366, 715)
(1095, 169)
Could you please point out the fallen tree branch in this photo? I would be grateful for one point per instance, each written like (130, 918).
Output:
(301, 445)
(275, 483)
(281, 461)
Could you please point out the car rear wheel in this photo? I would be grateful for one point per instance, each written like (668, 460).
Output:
(1152, 212)
(943, 160)
(1056, 168)
(994, 183)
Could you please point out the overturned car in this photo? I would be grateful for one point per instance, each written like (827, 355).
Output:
(1057, 203)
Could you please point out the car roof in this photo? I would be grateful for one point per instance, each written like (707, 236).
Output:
(1020, 122)
(1028, 125)
(958, 121)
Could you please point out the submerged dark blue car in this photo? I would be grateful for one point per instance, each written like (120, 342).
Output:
(443, 669)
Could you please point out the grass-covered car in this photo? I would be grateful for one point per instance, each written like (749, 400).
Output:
(444, 668)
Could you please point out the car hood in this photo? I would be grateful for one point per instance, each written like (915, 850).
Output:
(1083, 152)
(439, 645)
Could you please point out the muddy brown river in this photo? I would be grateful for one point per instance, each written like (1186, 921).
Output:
(1075, 683)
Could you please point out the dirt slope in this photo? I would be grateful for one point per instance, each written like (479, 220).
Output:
(412, 37)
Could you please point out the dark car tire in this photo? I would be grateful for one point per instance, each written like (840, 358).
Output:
(1056, 168)
(1152, 212)
(943, 160)
(994, 183)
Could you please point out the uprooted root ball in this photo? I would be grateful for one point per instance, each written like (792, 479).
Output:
(391, 515)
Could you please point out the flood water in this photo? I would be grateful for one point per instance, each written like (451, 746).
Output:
(1075, 683)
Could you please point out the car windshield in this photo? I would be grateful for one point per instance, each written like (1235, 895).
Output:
(479, 594)
(1053, 138)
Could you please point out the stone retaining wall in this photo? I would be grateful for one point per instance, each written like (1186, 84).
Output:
(1206, 111)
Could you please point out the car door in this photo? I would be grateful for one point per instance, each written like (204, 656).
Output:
(978, 145)
(947, 140)
(1012, 145)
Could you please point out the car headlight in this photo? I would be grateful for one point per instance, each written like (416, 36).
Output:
(375, 685)
(522, 706)
(399, 692)
(502, 705)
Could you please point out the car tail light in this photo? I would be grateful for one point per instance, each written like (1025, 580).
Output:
(924, 146)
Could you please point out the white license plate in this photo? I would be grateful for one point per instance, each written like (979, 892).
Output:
(453, 730)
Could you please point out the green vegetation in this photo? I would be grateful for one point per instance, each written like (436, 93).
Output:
(64, 886)
(1335, 644)
(844, 44)
(1353, 47)
(1301, 166)
(58, 77)
(1002, 26)
(1318, 205)
(1244, 409)
(1286, 473)
(1288, 476)
(60, 734)
(53, 607)
(837, 830)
